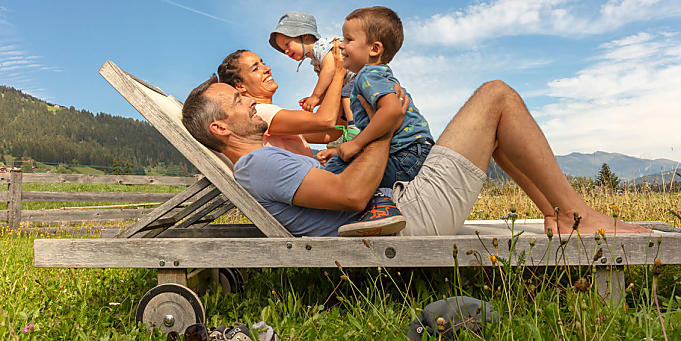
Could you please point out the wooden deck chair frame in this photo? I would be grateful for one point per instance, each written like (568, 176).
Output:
(174, 237)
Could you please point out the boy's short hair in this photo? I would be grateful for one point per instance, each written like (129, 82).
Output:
(381, 24)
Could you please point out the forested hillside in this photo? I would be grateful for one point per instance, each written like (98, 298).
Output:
(30, 127)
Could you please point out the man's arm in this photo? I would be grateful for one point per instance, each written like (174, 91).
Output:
(387, 118)
(288, 122)
(326, 136)
(350, 190)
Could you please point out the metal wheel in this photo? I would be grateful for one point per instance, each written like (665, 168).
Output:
(228, 281)
(170, 307)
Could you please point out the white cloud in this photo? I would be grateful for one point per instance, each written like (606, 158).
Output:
(627, 101)
(18, 66)
(500, 18)
(440, 84)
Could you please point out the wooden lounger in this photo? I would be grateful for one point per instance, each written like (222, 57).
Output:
(175, 237)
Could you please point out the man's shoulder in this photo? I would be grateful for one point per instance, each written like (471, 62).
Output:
(262, 154)
(272, 159)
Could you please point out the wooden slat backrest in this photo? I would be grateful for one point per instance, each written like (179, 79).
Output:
(165, 113)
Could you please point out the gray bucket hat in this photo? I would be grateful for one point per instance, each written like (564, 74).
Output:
(294, 24)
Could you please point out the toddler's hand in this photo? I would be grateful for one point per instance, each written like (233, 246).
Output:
(309, 103)
(348, 149)
(325, 155)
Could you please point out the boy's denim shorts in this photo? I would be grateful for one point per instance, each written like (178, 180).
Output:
(403, 165)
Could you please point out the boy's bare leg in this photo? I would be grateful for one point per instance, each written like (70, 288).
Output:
(345, 102)
(529, 187)
(496, 117)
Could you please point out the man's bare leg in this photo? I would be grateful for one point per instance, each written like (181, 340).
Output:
(496, 117)
(528, 187)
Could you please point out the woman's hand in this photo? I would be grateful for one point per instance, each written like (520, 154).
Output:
(325, 155)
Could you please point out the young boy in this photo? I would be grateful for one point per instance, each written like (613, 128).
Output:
(296, 36)
(371, 37)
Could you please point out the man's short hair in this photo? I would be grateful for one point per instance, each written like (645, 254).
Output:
(229, 70)
(381, 24)
(199, 111)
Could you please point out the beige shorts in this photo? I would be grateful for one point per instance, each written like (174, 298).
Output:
(441, 195)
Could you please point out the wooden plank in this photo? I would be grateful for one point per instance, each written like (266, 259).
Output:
(219, 201)
(610, 283)
(215, 231)
(210, 231)
(96, 196)
(199, 200)
(212, 216)
(199, 217)
(177, 276)
(60, 216)
(165, 208)
(431, 251)
(109, 179)
(14, 204)
(4, 196)
(144, 100)
(3, 215)
(4, 178)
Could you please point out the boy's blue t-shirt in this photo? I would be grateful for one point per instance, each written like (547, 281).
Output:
(374, 81)
(272, 176)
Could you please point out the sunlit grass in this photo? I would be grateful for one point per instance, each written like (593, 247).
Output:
(344, 304)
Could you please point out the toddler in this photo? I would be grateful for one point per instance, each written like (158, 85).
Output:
(296, 36)
(371, 38)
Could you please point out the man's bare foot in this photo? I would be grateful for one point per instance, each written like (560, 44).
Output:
(550, 223)
(590, 222)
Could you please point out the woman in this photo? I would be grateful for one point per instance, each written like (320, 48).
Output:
(288, 129)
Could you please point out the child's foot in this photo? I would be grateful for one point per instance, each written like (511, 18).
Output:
(380, 218)
(348, 134)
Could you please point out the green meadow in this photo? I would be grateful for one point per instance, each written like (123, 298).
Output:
(358, 304)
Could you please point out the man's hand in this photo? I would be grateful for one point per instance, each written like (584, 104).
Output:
(348, 149)
(400, 94)
(309, 103)
(325, 155)
(337, 58)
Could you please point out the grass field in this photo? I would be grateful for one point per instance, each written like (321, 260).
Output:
(359, 304)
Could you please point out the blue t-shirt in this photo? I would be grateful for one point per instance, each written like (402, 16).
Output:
(272, 176)
(374, 81)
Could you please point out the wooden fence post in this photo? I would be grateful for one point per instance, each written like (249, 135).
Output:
(14, 204)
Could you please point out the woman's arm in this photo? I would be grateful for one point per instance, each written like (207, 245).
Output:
(326, 136)
(288, 122)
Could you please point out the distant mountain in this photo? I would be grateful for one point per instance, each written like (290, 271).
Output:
(624, 166)
(32, 128)
(663, 178)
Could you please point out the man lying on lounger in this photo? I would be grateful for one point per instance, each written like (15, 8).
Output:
(310, 201)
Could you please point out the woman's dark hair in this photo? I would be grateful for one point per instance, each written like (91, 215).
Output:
(228, 71)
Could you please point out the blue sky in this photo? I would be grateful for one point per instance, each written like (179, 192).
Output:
(597, 75)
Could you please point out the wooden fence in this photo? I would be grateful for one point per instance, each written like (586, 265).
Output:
(14, 196)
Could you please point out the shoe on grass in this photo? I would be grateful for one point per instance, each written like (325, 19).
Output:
(238, 333)
(381, 217)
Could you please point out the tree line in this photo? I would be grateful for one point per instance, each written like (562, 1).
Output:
(32, 128)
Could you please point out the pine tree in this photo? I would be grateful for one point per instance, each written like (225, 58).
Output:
(607, 178)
